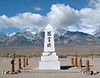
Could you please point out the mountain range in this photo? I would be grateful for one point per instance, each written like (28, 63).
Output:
(62, 37)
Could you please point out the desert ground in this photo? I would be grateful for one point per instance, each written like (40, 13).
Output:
(62, 51)
(92, 53)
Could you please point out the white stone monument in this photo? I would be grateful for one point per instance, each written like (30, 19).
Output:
(49, 59)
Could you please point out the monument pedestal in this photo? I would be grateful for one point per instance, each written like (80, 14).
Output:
(49, 61)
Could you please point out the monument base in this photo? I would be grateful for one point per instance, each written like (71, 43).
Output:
(49, 65)
(49, 62)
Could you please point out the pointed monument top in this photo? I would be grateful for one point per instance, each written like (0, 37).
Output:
(49, 27)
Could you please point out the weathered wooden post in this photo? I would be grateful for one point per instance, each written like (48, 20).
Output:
(75, 62)
(27, 61)
(87, 68)
(13, 66)
(20, 63)
(92, 55)
(14, 56)
(79, 62)
(24, 62)
(72, 61)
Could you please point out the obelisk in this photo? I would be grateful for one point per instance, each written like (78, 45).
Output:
(49, 59)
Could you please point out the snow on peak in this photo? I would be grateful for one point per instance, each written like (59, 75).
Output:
(11, 34)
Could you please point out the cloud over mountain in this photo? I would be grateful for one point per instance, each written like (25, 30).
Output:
(61, 16)
(23, 20)
(90, 16)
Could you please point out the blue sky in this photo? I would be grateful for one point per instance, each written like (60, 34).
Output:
(73, 15)
(14, 7)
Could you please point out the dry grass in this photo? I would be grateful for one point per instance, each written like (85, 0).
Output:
(62, 51)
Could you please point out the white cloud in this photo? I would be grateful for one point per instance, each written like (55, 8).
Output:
(23, 20)
(89, 22)
(63, 16)
(90, 17)
(81, 28)
(94, 4)
(60, 16)
(37, 8)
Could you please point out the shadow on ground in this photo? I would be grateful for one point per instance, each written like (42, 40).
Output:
(65, 67)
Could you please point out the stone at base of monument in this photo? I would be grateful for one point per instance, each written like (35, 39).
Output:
(49, 62)
(49, 65)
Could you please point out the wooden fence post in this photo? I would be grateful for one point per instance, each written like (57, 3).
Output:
(24, 62)
(72, 61)
(87, 68)
(75, 62)
(20, 63)
(13, 65)
(27, 61)
(79, 62)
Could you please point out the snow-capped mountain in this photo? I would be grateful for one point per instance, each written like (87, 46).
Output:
(62, 37)
(97, 34)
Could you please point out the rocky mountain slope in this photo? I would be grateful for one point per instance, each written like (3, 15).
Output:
(62, 37)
